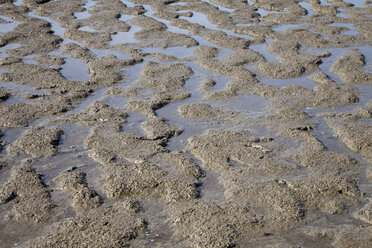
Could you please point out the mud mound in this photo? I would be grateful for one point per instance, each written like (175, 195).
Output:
(27, 191)
(38, 142)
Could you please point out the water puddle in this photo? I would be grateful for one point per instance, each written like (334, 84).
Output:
(87, 29)
(219, 6)
(75, 70)
(190, 128)
(280, 83)
(73, 138)
(10, 46)
(284, 27)
(200, 18)
(365, 96)
(125, 37)
(56, 28)
(125, 17)
(17, 2)
(211, 189)
(72, 154)
(356, 3)
(253, 106)
(133, 72)
(9, 26)
(263, 12)
(116, 101)
(193, 83)
(98, 95)
(349, 26)
(231, 33)
(306, 6)
(178, 52)
(22, 89)
(261, 48)
(15, 99)
(174, 29)
(327, 63)
(221, 82)
(85, 14)
(105, 52)
(338, 52)
(244, 24)
(128, 4)
(367, 53)
(10, 135)
(178, 4)
(133, 124)
(30, 59)
(324, 2)
(341, 13)
(82, 15)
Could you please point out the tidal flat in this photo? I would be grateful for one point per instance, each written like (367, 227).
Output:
(186, 123)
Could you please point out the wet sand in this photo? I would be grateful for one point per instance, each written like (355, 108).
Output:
(185, 123)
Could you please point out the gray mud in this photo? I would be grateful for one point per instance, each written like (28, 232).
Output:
(193, 123)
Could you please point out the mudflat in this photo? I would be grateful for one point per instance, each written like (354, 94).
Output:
(185, 123)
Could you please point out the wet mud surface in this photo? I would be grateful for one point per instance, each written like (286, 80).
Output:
(185, 123)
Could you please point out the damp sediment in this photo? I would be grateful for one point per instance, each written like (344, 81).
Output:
(197, 123)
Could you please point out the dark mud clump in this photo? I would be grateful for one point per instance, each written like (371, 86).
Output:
(365, 213)
(344, 236)
(3, 165)
(98, 115)
(38, 142)
(292, 63)
(353, 132)
(157, 128)
(74, 184)
(203, 111)
(109, 226)
(4, 95)
(348, 68)
(32, 202)
(210, 225)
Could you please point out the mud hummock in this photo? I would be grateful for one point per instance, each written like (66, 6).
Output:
(185, 123)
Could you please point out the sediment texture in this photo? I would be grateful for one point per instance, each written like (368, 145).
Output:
(185, 123)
